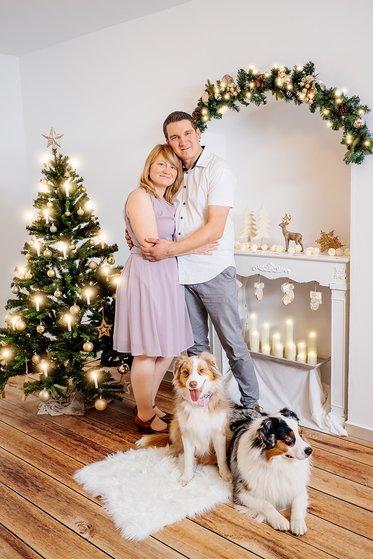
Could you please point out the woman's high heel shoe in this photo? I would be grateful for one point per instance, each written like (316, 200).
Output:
(167, 417)
(145, 426)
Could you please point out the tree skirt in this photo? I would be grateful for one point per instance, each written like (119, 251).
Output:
(140, 489)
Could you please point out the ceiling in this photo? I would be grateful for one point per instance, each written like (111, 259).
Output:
(28, 25)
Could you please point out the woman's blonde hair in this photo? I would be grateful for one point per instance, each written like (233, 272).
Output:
(168, 154)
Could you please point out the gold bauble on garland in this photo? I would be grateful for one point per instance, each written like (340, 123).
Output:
(20, 325)
(40, 329)
(100, 404)
(88, 347)
(45, 395)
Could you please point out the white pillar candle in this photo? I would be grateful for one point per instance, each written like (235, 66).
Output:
(254, 340)
(301, 357)
(275, 341)
(312, 341)
(301, 352)
(253, 322)
(265, 334)
(266, 349)
(68, 320)
(278, 350)
(290, 351)
(312, 358)
(289, 328)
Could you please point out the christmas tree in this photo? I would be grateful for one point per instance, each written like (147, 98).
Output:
(62, 315)
(263, 229)
(249, 229)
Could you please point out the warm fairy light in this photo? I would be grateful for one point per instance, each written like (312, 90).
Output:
(105, 270)
(339, 100)
(299, 68)
(68, 319)
(344, 90)
(74, 162)
(21, 271)
(89, 207)
(251, 85)
(94, 377)
(279, 82)
(44, 366)
(328, 124)
(361, 111)
(116, 280)
(337, 93)
(205, 118)
(88, 293)
(248, 95)
(325, 112)
(6, 354)
(289, 86)
(205, 111)
(348, 139)
(38, 299)
(367, 143)
(29, 216)
(45, 158)
(42, 187)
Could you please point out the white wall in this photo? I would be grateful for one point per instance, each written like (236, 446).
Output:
(12, 173)
(108, 92)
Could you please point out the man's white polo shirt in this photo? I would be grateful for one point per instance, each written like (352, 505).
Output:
(209, 183)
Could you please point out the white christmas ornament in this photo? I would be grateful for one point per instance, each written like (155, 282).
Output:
(288, 290)
(315, 300)
(258, 290)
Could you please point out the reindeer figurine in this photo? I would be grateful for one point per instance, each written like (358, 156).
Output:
(288, 235)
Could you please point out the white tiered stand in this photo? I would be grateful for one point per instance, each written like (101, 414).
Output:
(328, 271)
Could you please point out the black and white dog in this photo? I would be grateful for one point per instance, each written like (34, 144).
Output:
(270, 470)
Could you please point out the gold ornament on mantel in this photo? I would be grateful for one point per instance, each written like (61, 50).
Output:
(328, 240)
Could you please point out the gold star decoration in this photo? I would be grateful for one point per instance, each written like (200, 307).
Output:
(52, 138)
(104, 329)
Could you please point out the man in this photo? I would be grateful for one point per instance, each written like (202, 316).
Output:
(203, 215)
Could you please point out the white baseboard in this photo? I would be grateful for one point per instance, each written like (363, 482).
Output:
(359, 432)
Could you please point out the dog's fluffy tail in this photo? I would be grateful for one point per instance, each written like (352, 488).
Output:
(160, 440)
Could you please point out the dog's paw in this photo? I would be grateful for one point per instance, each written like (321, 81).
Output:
(185, 479)
(298, 527)
(225, 474)
(278, 522)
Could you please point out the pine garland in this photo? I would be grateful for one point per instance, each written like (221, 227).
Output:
(300, 85)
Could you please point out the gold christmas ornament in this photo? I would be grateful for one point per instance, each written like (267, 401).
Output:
(80, 211)
(52, 228)
(328, 240)
(100, 404)
(51, 273)
(111, 260)
(92, 265)
(40, 329)
(83, 189)
(52, 138)
(67, 213)
(104, 328)
(15, 289)
(47, 252)
(57, 293)
(45, 395)
(36, 359)
(74, 309)
(20, 325)
(88, 346)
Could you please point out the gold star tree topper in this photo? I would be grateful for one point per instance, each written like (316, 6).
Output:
(52, 138)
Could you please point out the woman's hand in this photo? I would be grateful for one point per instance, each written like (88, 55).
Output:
(128, 239)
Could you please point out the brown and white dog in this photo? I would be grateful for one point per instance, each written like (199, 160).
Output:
(201, 416)
(270, 468)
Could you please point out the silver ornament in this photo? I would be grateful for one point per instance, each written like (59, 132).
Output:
(45, 395)
(52, 228)
(15, 289)
(47, 252)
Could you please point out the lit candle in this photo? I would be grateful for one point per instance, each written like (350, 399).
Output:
(278, 350)
(312, 358)
(312, 341)
(265, 334)
(289, 327)
(94, 377)
(44, 368)
(15, 319)
(37, 300)
(46, 216)
(275, 341)
(290, 351)
(6, 354)
(254, 340)
(88, 292)
(68, 319)
(37, 247)
(266, 349)
(301, 352)
(67, 188)
(64, 249)
(253, 322)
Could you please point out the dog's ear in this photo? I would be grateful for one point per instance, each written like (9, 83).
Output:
(178, 362)
(289, 413)
(211, 362)
(266, 434)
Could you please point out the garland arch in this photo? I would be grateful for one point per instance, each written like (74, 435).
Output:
(301, 85)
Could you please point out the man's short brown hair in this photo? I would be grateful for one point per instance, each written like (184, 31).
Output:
(177, 116)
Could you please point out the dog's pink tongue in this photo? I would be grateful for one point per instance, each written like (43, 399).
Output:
(195, 394)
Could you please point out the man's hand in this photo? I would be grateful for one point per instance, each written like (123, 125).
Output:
(161, 249)
(128, 239)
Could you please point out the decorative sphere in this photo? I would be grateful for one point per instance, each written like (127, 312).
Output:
(51, 273)
(346, 252)
(20, 325)
(111, 260)
(57, 293)
(35, 359)
(45, 395)
(339, 252)
(15, 289)
(92, 265)
(100, 404)
(359, 122)
(80, 211)
(67, 213)
(123, 369)
(40, 329)
(47, 252)
(52, 228)
(27, 256)
(87, 346)
(316, 251)
(83, 189)
(74, 309)
(331, 252)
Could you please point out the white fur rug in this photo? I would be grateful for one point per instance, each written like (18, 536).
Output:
(140, 489)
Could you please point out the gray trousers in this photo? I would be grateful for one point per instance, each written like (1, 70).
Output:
(218, 300)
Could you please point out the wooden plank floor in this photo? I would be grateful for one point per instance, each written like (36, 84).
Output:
(45, 514)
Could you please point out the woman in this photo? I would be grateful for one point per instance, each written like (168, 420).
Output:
(151, 318)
